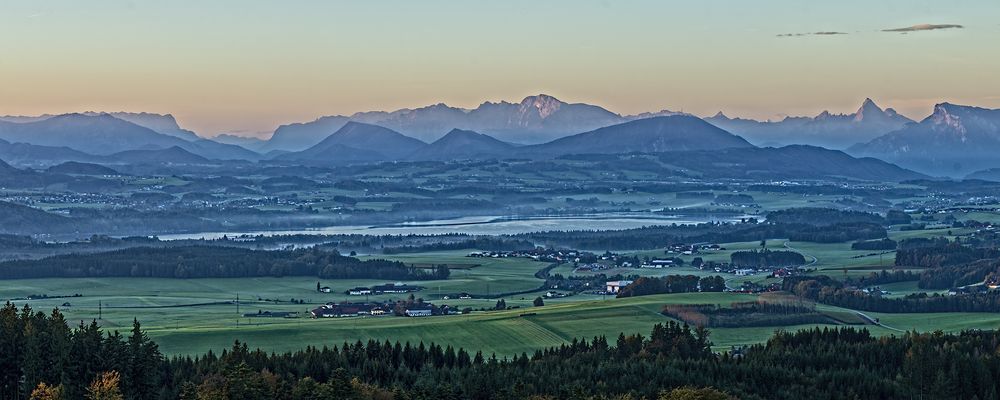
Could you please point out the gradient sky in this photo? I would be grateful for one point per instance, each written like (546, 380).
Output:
(248, 66)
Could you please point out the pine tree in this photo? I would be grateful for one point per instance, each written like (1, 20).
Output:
(143, 365)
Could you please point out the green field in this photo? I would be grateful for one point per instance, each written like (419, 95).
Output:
(167, 309)
(195, 315)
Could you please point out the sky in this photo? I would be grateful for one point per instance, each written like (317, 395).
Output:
(247, 66)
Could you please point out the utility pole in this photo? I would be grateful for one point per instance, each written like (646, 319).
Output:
(237, 303)
(100, 310)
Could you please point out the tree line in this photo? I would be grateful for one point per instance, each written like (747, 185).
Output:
(672, 360)
(877, 244)
(824, 289)
(657, 236)
(745, 314)
(214, 262)
(644, 286)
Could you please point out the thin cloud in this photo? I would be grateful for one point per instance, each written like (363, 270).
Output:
(821, 33)
(924, 27)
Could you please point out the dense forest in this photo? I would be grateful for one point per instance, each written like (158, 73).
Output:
(743, 314)
(644, 286)
(825, 290)
(822, 216)
(878, 244)
(657, 236)
(42, 355)
(214, 262)
(487, 243)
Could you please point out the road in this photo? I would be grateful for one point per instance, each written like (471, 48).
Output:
(814, 259)
(876, 322)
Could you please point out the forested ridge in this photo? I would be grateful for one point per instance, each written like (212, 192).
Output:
(214, 262)
(43, 355)
(655, 236)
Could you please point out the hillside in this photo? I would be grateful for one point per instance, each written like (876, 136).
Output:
(104, 134)
(78, 168)
(789, 162)
(31, 155)
(15, 218)
(172, 155)
(367, 142)
(651, 135)
(301, 136)
(459, 144)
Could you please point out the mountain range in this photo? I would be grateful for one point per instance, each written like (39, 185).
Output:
(954, 140)
(105, 134)
(536, 119)
(834, 131)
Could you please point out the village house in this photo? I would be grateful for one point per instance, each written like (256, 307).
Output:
(343, 310)
(613, 287)
(419, 312)
(359, 291)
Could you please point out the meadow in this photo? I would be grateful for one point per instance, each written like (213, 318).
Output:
(196, 315)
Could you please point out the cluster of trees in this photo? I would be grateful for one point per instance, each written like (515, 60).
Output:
(644, 286)
(882, 277)
(948, 264)
(828, 291)
(766, 258)
(487, 243)
(214, 262)
(745, 314)
(670, 363)
(897, 217)
(822, 216)
(958, 275)
(655, 236)
(38, 348)
(942, 254)
(878, 244)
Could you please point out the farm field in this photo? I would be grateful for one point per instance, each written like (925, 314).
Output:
(198, 315)
(190, 316)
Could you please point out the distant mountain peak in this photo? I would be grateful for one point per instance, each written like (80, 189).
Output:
(545, 104)
(947, 115)
(868, 109)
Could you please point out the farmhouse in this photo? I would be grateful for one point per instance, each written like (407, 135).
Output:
(359, 291)
(419, 312)
(397, 287)
(612, 287)
(335, 310)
